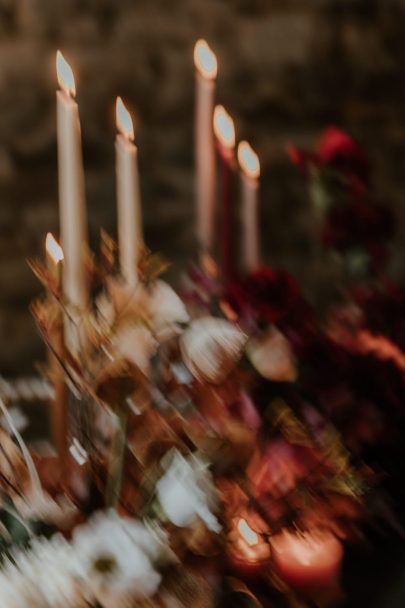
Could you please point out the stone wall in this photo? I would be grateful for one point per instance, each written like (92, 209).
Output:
(287, 69)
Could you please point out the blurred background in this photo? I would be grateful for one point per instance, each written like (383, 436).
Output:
(287, 69)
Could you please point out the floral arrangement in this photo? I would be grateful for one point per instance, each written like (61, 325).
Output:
(217, 448)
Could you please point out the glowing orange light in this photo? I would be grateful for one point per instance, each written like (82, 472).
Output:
(124, 120)
(248, 160)
(65, 75)
(224, 127)
(53, 249)
(205, 60)
(247, 533)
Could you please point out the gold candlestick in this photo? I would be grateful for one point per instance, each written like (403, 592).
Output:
(56, 351)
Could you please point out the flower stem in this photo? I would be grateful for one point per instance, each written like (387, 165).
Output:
(116, 464)
(32, 471)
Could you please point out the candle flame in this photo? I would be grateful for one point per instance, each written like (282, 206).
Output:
(65, 75)
(248, 160)
(205, 60)
(124, 120)
(224, 127)
(247, 533)
(53, 248)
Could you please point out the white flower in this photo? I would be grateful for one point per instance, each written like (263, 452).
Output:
(116, 556)
(18, 592)
(110, 560)
(271, 355)
(152, 539)
(186, 492)
(136, 344)
(56, 573)
(156, 305)
(166, 310)
(211, 347)
(45, 576)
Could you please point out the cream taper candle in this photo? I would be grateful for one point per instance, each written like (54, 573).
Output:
(128, 196)
(73, 218)
(224, 130)
(250, 173)
(206, 71)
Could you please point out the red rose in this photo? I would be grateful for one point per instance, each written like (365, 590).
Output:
(339, 150)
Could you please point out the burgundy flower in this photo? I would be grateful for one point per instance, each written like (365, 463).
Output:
(360, 223)
(335, 149)
(272, 295)
(356, 187)
(338, 150)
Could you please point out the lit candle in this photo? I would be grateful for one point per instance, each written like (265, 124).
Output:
(54, 259)
(206, 71)
(248, 552)
(73, 221)
(224, 130)
(250, 172)
(128, 196)
(307, 561)
(59, 409)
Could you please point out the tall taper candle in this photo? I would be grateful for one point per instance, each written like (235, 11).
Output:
(224, 130)
(128, 196)
(250, 172)
(73, 218)
(206, 71)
